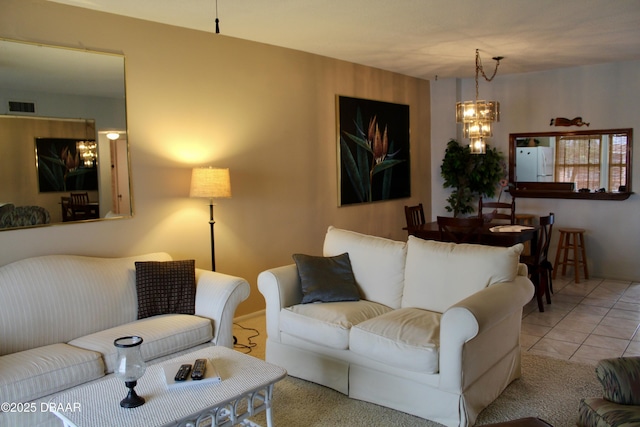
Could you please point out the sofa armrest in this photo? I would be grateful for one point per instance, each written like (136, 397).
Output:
(217, 297)
(485, 318)
(281, 288)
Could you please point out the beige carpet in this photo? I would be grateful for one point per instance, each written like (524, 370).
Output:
(549, 389)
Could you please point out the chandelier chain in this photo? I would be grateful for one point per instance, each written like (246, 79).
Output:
(480, 69)
(217, 20)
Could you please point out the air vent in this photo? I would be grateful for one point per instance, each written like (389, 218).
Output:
(22, 107)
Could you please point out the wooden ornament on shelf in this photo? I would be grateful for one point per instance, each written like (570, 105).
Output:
(561, 121)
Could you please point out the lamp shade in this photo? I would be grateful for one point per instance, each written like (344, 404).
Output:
(210, 183)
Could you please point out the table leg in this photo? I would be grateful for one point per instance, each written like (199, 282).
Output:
(268, 397)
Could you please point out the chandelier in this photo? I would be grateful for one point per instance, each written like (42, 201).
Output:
(87, 152)
(477, 116)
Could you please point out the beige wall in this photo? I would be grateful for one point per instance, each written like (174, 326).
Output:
(196, 98)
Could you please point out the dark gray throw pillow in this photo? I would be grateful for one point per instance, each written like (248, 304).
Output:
(326, 279)
(165, 287)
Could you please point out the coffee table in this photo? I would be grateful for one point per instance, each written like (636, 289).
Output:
(245, 390)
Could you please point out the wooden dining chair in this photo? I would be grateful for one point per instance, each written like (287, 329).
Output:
(538, 264)
(497, 211)
(414, 215)
(460, 230)
(67, 212)
(79, 205)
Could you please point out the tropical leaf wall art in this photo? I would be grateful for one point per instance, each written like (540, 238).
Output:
(60, 168)
(374, 150)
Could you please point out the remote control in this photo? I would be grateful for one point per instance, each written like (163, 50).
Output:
(198, 369)
(183, 372)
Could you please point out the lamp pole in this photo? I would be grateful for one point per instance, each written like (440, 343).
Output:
(213, 250)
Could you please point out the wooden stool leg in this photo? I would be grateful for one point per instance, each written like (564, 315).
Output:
(576, 259)
(565, 257)
(584, 256)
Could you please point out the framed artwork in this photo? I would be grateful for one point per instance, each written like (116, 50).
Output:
(373, 148)
(66, 164)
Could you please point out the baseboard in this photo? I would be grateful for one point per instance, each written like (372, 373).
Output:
(249, 316)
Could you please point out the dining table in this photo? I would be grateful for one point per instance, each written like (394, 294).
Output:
(499, 236)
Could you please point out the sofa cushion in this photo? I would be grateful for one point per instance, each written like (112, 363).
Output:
(165, 287)
(162, 335)
(407, 338)
(328, 324)
(30, 374)
(378, 263)
(440, 274)
(326, 279)
(620, 379)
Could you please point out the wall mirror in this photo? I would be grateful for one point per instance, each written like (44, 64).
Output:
(585, 164)
(63, 136)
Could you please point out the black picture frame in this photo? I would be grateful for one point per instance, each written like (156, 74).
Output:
(370, 169)
(61, 167)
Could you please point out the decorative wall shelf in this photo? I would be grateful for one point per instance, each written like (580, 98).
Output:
(543, 194)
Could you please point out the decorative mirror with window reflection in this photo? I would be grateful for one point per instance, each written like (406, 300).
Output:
(63, 136)
(586, 164)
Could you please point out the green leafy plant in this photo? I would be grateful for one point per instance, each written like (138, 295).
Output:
(470, 176)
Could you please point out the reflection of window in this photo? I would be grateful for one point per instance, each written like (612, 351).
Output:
(578, 160)
(617, 161)
(592, 161)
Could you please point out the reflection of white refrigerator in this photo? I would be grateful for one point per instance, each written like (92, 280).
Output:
(534, 164)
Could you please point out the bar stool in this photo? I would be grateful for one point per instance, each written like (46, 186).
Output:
(571, 239)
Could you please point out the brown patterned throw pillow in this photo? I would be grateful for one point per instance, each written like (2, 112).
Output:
(166, 287)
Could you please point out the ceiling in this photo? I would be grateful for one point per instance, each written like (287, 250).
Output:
(422, 38)
(39, 68)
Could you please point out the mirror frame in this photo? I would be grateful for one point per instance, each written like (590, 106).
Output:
(515, 191)
(59, 71)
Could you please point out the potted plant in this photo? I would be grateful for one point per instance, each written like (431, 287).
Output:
(470, 176)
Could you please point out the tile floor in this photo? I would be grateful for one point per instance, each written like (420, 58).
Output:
(585, 322)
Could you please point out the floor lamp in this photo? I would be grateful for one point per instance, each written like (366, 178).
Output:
(210, 183)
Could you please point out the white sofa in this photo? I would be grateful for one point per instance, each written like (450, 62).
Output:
(435, 333)
(59, 316)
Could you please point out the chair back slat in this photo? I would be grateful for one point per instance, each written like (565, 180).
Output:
(79, 199)
(414, 215)
(544, 236)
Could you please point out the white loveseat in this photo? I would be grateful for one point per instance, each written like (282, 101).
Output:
(59, 316)
(435, 333)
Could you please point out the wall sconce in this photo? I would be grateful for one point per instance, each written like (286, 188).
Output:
(476, 116)
(210, 183)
